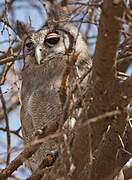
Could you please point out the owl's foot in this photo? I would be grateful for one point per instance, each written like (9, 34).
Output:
(52, 156)
(40, 132)
(49, 159)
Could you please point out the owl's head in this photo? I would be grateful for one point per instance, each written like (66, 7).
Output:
(53, 42)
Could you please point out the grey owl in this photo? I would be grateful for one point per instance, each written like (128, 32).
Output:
(47, 53)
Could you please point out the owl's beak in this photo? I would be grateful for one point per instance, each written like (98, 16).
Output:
(38, 54)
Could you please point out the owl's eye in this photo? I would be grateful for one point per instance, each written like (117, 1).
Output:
(52, 39)
(29, 45)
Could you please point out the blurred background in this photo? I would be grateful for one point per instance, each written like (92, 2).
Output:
(85, 15)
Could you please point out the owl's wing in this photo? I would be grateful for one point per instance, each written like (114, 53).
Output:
(27, 124)
(44, 106)
(40, 105)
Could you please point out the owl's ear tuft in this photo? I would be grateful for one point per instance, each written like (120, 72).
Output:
(23, 30)
(55, 11)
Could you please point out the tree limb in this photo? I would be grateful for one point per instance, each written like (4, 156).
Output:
(29, 150)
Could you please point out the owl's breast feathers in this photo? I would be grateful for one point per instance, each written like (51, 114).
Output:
(42, 84)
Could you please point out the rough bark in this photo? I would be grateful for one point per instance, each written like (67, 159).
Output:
(106, 97)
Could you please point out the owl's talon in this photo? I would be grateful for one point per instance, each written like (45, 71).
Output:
(39, 132)
(51, 157)
(53, 153)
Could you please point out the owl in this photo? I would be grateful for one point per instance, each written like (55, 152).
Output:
(49, 54)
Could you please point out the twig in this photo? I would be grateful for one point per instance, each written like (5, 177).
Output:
(11, 58)
(7, 126)
(101, 117)
(6, 69)
(16, 132)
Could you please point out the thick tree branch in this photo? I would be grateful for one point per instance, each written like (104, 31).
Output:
(107, 42)
(106, 96)
(105, 54)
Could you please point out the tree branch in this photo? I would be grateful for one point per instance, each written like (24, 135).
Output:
(7, 126)
(107, 41)
(31, 149)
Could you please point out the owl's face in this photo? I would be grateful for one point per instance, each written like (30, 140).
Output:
(48, 44)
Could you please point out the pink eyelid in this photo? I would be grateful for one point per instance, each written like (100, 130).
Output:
(52, 35)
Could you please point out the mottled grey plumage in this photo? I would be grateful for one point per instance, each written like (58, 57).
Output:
(42, 76)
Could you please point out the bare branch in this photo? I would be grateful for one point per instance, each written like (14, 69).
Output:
(31, 149)
(15, 132)
(7, 126)
(11, 58)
